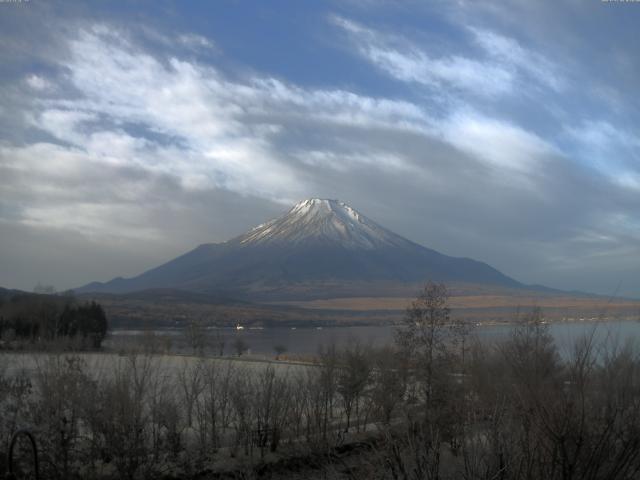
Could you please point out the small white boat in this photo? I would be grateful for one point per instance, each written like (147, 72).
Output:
(239, 327)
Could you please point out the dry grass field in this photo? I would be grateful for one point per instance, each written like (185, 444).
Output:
(469, 301)
(490, 307)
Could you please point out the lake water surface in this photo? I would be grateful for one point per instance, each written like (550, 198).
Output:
(308, 340)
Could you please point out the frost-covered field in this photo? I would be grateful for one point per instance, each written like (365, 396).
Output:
(98, 364)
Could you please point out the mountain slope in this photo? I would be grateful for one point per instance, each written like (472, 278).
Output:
(318, 244)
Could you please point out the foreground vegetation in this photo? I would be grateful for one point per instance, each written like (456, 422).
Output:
(436, 405)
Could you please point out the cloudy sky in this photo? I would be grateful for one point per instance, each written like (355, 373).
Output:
(505, 131)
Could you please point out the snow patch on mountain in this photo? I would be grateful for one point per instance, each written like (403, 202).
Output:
(325, 221)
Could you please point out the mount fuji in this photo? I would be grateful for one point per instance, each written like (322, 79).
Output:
(320, 248)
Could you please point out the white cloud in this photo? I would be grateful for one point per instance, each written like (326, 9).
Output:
(195, 41)
(180, 119)
(184, 120)
(342, 162)
(612, 150)
(455, 71)
(629, 180)
(513, 56)
(37, 82)
(603, 136)
(407, 62)
(63, 123)
(499, 143)
(502, 69)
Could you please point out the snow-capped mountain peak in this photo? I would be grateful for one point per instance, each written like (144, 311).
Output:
(319, 246)
(317, 207)
(325, 221)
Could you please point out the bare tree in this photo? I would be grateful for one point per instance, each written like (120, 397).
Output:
(389, 382)
(119, 416)
(15, 391)
(214, 405)
(279, 349)
(240, 346)
(428, 336)
(321, 387)
(190, 381)
(62, 386)
(196, 337)
(241, 395)
(271, 408)
(219, 342)
(353, 377)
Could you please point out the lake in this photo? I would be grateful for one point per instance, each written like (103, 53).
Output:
(303, 341)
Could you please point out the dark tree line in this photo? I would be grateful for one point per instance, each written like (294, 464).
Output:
(38, 318)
